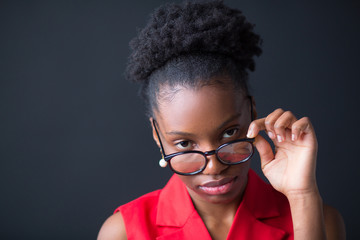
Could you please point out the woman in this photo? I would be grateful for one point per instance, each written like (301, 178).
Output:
(192, 62)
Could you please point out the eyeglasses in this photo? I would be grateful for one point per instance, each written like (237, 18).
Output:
(193, 162)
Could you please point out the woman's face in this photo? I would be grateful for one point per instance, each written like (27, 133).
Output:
(202, 119)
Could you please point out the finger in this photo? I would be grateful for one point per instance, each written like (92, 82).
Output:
(301, 126)
(270, 121)
(265, 151)
(284, 122)
(255, 127)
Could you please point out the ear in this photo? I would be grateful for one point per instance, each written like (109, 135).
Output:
(155, 137)
(253, 103)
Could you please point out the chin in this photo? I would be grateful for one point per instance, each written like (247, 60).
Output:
(220, 199)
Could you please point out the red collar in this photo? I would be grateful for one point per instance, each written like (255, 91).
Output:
(176, 210)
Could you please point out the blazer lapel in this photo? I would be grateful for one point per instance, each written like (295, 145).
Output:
(193, 228)
(176, 214)
(259, 203)
(246, 226)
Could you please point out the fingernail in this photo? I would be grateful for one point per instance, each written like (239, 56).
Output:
(279, 138)
(271, 135)
(250, 133)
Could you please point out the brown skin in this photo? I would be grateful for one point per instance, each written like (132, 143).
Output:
(214, 117)
(211, 115)
(203, 119)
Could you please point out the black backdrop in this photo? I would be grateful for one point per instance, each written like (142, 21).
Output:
(75, 143)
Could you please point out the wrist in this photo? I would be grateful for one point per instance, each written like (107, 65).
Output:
(304, 201)
(308, 189)
(301, 195)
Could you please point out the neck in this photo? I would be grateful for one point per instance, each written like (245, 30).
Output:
(217, 217)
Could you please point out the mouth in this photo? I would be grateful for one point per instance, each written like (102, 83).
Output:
(217, 187)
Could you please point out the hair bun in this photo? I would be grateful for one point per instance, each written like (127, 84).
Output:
(209, 27)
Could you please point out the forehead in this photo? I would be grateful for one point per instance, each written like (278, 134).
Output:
(198, 108)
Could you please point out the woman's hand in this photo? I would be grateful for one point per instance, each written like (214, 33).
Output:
(291, 169)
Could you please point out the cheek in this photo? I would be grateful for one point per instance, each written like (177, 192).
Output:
(241, 170)
(189, 181)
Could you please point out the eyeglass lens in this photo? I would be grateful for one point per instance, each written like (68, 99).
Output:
(229, 154)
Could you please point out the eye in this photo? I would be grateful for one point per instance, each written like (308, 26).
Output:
(230, 133)
(183, 145)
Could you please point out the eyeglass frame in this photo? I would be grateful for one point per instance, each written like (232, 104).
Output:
(167, 158)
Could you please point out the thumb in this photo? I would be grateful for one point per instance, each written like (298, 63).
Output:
(265, 151)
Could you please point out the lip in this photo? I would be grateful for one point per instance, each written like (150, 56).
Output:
(217, 187)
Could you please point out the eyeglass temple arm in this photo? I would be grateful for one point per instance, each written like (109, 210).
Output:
(158, 135)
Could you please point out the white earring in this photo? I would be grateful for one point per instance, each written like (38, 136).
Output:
(162, 163)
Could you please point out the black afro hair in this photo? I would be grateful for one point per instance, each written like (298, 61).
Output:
(192, 27)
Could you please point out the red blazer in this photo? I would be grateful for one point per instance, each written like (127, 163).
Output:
(169, 214)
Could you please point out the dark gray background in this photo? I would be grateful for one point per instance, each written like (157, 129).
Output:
(74, 141)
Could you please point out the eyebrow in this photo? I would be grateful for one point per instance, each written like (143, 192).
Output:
(232, 118)
(180, 133)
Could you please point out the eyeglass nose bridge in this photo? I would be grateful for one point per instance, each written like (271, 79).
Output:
(209, 153)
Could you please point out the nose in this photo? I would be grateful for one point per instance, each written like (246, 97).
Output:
(214, 166)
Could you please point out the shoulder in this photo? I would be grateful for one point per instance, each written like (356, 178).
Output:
(137, 214)
(131, 213)
(334, 223)
(137, 219)
(113, 228)
(146, 201)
